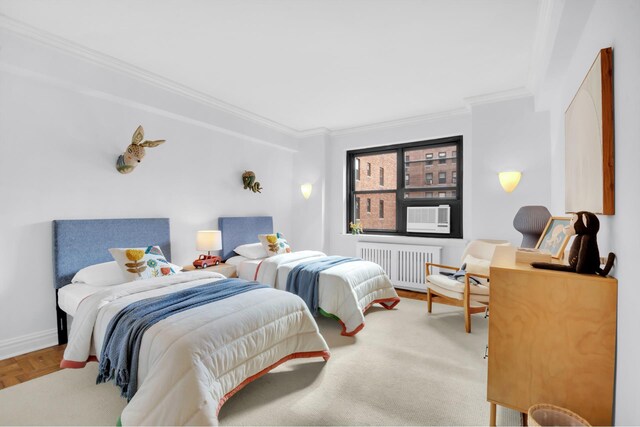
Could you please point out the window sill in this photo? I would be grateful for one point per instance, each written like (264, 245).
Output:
(383, 238)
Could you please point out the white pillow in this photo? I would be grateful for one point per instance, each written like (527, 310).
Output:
(236, 260)
(476, 265)
(251, 251)
(105, 274)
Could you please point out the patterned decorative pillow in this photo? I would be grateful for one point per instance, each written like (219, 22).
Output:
(142, 263)
(274, 244)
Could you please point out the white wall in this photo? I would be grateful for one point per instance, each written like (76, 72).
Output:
(64, 121)
(615, 24)
(497, 136)
(309, 214)
(507, 136)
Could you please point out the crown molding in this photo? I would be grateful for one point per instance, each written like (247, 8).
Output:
(500, 96)
(313, 132)
(549, 14)
(107, 61)
(402, 122)
(70, 86)
(546, 11)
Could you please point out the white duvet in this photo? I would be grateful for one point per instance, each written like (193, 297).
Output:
(345, 291)
(192, 362)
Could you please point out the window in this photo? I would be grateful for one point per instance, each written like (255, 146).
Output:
(428, 157)
(357, 169)
(416, 176)
(368, 169)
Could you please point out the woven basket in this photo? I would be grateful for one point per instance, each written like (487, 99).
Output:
(545, 414)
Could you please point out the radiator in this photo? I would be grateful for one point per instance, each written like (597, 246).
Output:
(404, 264)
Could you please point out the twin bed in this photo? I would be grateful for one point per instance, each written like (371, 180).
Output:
(345, 291)
(190, 363)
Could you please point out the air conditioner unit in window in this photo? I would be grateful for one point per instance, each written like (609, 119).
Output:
(429, 219)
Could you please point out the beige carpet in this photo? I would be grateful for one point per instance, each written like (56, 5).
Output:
(404, 368)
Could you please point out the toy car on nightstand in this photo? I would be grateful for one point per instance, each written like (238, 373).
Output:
(205, 261)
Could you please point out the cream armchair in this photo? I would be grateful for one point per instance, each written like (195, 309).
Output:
(473, 297)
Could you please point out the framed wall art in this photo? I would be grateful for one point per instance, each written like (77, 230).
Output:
(554, 238)
(589, 144)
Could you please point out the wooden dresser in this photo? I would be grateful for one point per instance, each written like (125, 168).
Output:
(552, 339)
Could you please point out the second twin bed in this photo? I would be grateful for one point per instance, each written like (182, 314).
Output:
(345, 290)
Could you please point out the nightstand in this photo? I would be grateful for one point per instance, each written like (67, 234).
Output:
(225, 269)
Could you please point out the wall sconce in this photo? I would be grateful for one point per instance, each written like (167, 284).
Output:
(509, 180)
(306, 190)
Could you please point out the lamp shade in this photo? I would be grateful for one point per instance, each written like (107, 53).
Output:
(306, 190)
(209, 240)
(509, 180)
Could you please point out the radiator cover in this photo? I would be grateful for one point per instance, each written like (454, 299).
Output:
(404, 264)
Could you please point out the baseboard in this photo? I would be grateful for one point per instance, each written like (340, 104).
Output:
(27, 343)
(411, 288)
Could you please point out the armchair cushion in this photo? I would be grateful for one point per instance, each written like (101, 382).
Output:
(475, 265)
(475, 300)
(453, 285)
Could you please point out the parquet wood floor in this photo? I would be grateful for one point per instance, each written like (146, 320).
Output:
(410, 294)
(25, 367)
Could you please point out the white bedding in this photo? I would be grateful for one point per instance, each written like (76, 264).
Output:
(245, 268)
(345, 291)
(192, 362)
(70, 296)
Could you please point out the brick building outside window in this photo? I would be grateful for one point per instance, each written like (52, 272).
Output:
(416, 174)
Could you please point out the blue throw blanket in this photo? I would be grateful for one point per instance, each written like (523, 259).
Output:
(119, 356)
(303, 279)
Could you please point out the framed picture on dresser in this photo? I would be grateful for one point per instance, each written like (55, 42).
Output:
(554, 238)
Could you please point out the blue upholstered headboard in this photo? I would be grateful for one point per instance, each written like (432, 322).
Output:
(80, 243)
(240, 230)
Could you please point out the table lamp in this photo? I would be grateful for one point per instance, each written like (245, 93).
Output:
(209, 240)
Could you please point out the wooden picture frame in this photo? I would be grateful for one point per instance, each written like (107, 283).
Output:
(554, 238)
(589, 141)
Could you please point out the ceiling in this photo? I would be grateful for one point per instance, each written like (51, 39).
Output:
(307, 64)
